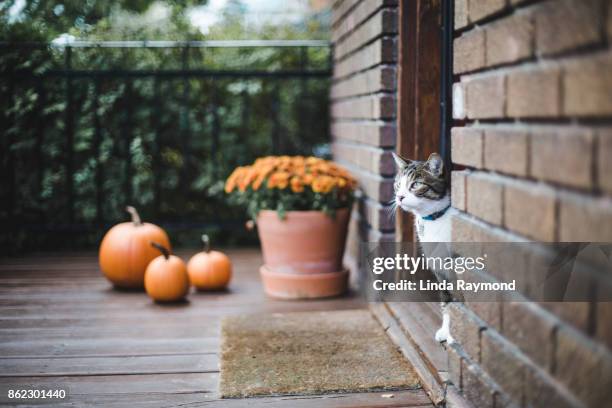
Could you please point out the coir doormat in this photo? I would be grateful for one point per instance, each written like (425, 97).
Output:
(309, 353)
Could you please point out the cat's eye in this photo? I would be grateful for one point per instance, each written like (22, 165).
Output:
(417, 185)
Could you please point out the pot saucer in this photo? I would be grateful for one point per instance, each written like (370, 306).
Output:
(303, 286)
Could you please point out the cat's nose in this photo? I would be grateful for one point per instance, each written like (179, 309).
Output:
(400, 197)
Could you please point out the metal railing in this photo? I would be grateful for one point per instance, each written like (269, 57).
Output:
(89, 127)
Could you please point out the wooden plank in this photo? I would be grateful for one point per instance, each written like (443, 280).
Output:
(418, 88)
(42, 347)
(146, 309)
(374, 400)
(66, 326)
(246, 301)
(135, 332)
(116, 385)
(404, 399)
(84, 366)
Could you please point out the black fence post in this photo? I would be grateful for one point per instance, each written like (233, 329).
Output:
(216, 128)
(184, 124)
(244, 115)
(40, 136)
(303, 114)
(127, 140)
(10, 155)
(69, 128)
(276, 142)
(157, 165)
(96, 151)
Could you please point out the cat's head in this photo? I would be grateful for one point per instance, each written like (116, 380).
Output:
(421, 186)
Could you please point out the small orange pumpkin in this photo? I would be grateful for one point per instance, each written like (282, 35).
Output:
(166, 277)
(125, 250)
(209, 270)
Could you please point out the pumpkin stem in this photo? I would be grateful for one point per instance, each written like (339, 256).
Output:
(135, 217)
(165, 252)
(206, 242)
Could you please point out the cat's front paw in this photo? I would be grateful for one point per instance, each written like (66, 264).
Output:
(443, 335)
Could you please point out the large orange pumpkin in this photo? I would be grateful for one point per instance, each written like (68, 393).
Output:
(166, 277)
(209, 270)
(126, 251)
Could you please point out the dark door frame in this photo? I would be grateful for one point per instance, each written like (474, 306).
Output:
(424, 86)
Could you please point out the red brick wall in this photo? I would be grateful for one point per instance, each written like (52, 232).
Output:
(533, 108)
(363, 110)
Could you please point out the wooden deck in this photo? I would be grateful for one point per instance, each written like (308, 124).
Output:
(63, 326)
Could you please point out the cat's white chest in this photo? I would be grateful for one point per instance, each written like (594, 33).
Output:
(438, 230)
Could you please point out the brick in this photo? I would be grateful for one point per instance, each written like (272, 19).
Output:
(574, 313)
(507, 262)
(570, 147)
(339, 8)
(584, 367)
(458, 101)
(542, 391)
(485, 97)
(380, 134)
(458, 181)
(500, 360)
(489, 312)
(603, 327)
(379, 79)
(383, 50)
(528, 327)
(484, 198)
(469, 51)
(586, 86)
(534, 92)
(509, 40)
(484, 8)
(374, 160)
(475, 388)
(529, 209)
(604, 160)
(465, 329)
(585, 219)
(381, 106)
(466, 146)
(357, 15)
(505, 150)
(466, 228)
(463, 230)
(383, 22)
(372, 185)
(461, 13)
(580, 21)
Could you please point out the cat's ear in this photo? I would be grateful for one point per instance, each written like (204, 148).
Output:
(400, 162)
(435, 164)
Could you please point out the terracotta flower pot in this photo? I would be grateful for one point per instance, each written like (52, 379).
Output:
(303, 243)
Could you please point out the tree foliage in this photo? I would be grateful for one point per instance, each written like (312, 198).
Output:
(163, 144)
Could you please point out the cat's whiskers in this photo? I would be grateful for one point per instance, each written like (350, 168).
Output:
(391, 209)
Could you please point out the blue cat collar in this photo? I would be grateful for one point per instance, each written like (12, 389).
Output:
(436, 215)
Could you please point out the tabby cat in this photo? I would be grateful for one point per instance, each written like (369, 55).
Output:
(422, 189)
